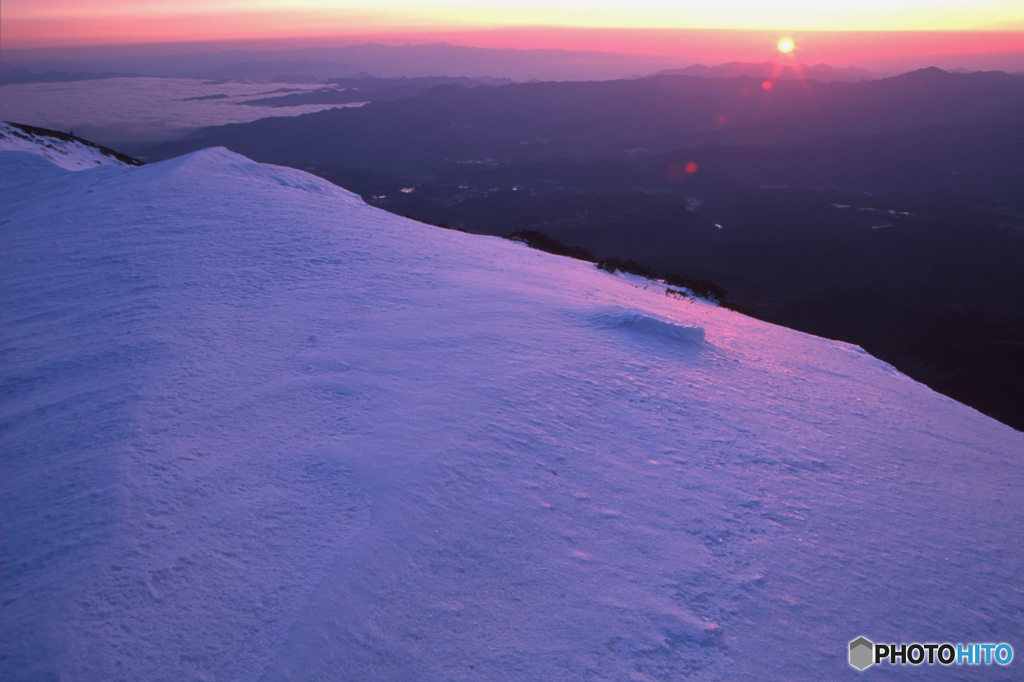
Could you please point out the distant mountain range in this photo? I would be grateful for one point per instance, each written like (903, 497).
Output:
(322, 64)
(616, 118)
(396, 62)
(18, 76)
(773, 70)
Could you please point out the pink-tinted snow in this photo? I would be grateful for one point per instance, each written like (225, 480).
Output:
(254, 429)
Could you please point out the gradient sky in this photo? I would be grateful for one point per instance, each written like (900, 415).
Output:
(868, 33)
(47, 23)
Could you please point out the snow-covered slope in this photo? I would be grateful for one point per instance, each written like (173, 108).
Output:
(67, 151)
(254, 429)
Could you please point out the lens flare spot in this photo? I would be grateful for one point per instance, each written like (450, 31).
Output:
(675, 171)
(720, 120)
(786, 45)
(767, 85)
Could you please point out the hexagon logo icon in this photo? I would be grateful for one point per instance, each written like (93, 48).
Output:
(862, 653)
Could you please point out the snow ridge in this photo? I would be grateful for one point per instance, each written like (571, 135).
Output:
(67, 151)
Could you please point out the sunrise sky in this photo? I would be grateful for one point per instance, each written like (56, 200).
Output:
(836, 31)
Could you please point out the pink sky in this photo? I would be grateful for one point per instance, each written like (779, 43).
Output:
(867, 33)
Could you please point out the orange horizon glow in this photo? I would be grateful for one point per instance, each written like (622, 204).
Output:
(889, 51)
(53, 23)
(813, 46)
(880, 34)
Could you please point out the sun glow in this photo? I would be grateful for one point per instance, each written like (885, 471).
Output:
(694, 30)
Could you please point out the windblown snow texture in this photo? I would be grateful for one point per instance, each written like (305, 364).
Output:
(253, 429)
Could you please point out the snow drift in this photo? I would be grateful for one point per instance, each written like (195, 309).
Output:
(254, 429)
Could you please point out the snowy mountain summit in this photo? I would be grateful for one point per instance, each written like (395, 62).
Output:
(254, 429)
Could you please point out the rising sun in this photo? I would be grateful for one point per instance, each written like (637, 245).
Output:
(786, 45)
